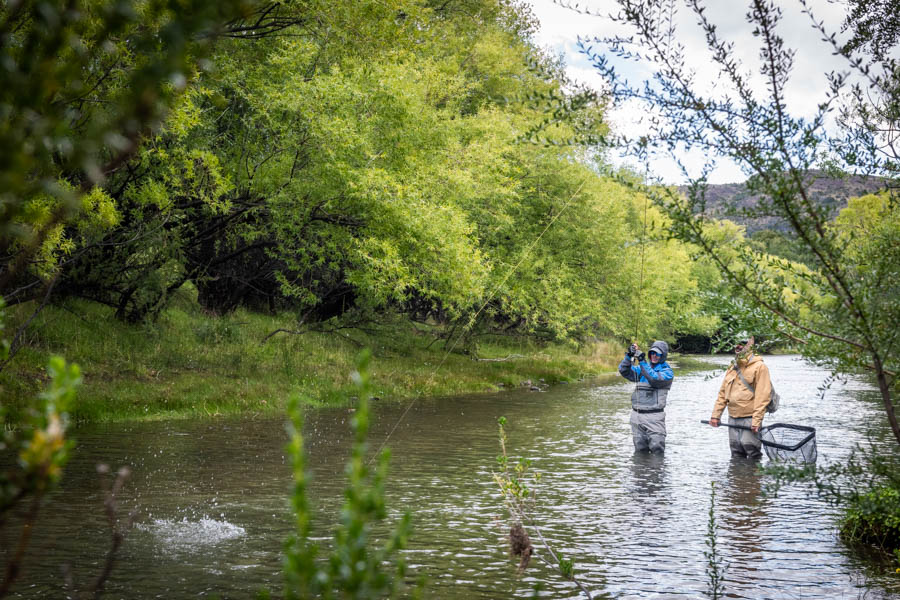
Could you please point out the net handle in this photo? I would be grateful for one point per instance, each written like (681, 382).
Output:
(729, 425)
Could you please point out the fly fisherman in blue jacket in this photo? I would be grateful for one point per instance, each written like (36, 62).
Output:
(648, 401)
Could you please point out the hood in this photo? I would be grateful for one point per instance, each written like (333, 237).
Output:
(749, 358)
(661, 348)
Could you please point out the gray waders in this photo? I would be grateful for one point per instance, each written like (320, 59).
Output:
(648, 417)
(648, 430)
(743, 442)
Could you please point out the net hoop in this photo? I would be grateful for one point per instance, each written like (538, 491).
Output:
(803, 448)
(794, 447)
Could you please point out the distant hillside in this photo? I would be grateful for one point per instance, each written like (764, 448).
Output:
(831, 193)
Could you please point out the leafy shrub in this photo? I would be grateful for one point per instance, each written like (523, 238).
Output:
(874, 517)
(354, 568)
(37, 438)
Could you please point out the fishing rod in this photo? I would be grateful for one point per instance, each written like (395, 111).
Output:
(641, 278)
(639, 308)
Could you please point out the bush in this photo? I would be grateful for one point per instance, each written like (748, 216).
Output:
(874, 518)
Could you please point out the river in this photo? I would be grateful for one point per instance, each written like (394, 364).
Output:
(211, 503)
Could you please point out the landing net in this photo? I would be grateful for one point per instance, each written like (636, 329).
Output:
(784, 442)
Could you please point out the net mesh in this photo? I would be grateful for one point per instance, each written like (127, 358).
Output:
(789, 442)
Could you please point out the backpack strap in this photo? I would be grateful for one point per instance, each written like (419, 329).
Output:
(741, 375)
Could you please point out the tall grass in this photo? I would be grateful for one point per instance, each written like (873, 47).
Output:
(189, 363)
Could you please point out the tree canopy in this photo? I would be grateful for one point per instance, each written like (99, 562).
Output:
(339, 160)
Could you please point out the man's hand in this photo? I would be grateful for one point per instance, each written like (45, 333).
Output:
(754, 428)
(714, 422)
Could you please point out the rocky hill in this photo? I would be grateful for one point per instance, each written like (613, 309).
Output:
(830, 192)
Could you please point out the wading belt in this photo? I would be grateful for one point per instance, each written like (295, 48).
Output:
(649, 410)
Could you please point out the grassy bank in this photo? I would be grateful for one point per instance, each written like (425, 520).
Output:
(189, 363)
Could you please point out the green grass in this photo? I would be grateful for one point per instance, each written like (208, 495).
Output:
(191, 364)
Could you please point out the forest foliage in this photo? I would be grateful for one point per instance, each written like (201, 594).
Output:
(337, 161)
(334, 160)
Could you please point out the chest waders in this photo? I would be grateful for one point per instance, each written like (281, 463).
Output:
(648, 417)
(644, 397)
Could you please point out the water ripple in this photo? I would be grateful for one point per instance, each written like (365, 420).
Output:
(635, 525)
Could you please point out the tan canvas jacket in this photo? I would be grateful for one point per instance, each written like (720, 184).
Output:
(740, 400)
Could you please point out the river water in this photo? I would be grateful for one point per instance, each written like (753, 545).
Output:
(212, 508)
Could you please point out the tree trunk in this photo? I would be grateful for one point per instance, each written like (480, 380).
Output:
(886, 397)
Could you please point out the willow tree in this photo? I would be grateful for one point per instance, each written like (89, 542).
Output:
(845, 314)
(83, 84)
(369, 162)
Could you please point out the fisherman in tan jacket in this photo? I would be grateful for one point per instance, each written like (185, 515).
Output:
(746, 404)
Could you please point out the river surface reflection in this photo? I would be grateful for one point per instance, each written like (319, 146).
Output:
(212, 507)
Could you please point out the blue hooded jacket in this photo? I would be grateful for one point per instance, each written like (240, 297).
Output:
(653, 381)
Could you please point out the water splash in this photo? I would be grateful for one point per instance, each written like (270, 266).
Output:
(186, 534)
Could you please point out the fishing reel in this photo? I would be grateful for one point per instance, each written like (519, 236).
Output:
(634, 353)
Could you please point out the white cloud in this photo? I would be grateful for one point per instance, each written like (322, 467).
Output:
(561, 27)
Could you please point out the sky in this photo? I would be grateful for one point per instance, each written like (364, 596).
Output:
(561, 27)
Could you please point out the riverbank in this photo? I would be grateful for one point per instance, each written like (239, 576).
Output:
(192, 364)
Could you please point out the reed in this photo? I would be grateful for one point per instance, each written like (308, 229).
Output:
(715, 565)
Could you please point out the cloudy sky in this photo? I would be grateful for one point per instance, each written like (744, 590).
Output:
(560, 29)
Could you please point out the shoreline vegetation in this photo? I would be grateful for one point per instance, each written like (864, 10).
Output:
(190, 364)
